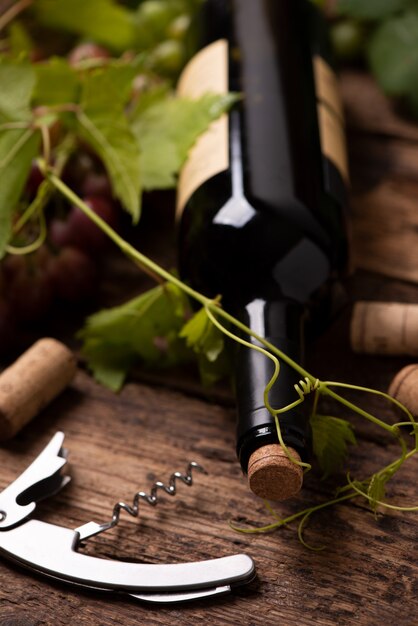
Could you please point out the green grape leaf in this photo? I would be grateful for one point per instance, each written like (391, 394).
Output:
(18, 81)
(207, 341)
(212, 371)
(167, 129)
(103, 124)
(202, 336)
(331, 435)
(109, 363)
(56, 83)
(377, 490)
(144, 329)
(372, 9)
(393, 53)
(19, 40)
(104, 21)
(19, 146)
(148, 98)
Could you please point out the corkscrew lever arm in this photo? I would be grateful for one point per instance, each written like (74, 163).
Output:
(50, 549)
(41, 479)
(53, 550)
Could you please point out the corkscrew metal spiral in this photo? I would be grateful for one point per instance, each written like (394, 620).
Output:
(92, 528)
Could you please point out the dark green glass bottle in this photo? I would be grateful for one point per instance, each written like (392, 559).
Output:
(262, 201)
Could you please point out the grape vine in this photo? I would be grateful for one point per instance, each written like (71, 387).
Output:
(373, 488)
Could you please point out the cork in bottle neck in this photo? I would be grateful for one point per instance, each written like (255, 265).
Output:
(272, 474)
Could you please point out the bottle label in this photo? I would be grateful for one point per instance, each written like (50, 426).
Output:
(206, 72)
(330, 116)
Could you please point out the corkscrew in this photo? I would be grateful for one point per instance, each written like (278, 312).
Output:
(52, 550)
(92, 528)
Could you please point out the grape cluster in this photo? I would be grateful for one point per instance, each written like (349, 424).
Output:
(66, 266)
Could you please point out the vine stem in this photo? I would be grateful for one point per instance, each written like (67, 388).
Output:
(306, 513)
(32, 247)
(252, 346)
(43, 195)
(146, 262)
(124, 246)
(13, 12)
(353, 407)
(394, 507)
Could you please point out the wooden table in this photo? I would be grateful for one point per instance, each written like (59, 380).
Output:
(118, 444)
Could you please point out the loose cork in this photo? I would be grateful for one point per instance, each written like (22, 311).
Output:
(272, 475)
(389, 328)
(31, 382)
(404, 387)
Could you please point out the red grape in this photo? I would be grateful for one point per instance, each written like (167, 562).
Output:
(79, 167)
(96, 184)
(80, 231)
(72, 274)
(35, 178)
(58, 232)
(11, 267)
(29, 294)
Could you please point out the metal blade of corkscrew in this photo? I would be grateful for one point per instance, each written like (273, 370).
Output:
(182, 596)
(40, 480)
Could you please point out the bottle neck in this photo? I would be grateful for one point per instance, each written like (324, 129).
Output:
(281, 323)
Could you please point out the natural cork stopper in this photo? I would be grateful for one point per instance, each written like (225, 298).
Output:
(272, 475)
(404, 387)
(32, 381)
(385, 328)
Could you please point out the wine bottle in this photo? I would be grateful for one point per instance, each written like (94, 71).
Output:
(261, 206)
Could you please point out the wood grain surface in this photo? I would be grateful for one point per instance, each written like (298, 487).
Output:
(119, 444)
(384, 171)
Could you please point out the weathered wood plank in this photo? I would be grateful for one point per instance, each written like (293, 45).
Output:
(120, 444)
(369, 111)
(384, 166)
(385, 230)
